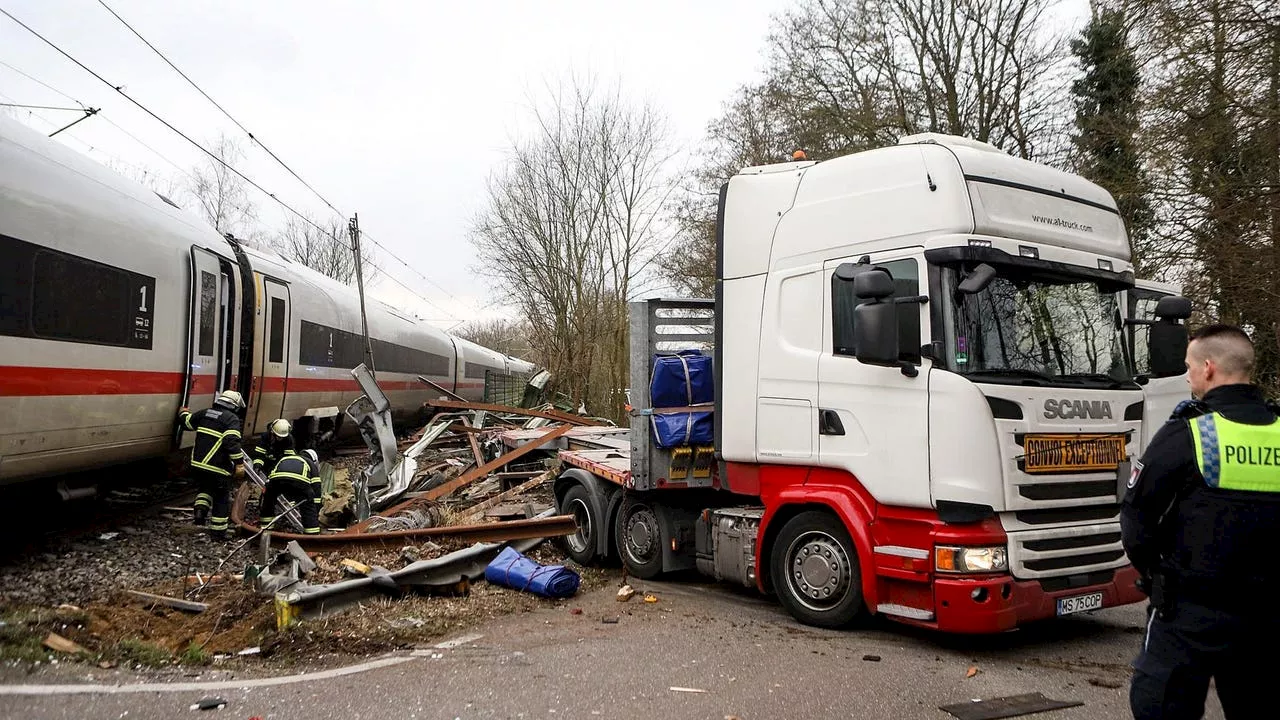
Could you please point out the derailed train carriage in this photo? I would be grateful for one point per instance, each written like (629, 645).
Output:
(117, 308)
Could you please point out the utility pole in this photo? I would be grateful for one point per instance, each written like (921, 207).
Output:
(353, 227)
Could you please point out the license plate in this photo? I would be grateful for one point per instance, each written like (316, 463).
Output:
(1079, 603)
(1072, 453)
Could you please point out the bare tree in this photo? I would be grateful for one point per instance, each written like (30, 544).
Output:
(851, 75)
(573, 223)
(505, 335)
(324, 247)
(222, 196)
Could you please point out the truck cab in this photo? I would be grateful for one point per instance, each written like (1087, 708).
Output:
(926, 395)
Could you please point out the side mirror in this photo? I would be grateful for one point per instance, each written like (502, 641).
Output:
(1168, 348)
(1173, 307)
(1168, 340)
(848, 271)
(875, 333)
(875, 322)
(873, 285)
(978, 280)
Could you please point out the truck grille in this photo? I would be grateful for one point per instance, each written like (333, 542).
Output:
(1054, 552)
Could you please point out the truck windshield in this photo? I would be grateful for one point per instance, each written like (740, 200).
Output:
(1036, 329)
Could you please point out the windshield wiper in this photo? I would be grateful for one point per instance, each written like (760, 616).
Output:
(1037, 378)
(1096, 377)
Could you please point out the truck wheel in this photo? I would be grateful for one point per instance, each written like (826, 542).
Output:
(639, 539)
(581, 545)
(815, 570)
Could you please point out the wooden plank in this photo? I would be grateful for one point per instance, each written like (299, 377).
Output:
(465, 479)
(475, 444)
(447, 488)
(54, 641)
(186, 605)
(475, 512)
(546, 414)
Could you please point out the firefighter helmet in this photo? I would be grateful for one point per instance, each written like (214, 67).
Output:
(311, 455)
(280, 428)
(231, 399)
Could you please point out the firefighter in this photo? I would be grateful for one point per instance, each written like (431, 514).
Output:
(297, 479)
(215, 457)
(271, 445)
(1199, 522)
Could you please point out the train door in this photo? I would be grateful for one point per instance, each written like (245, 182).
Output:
(209, 346)
(271, 382)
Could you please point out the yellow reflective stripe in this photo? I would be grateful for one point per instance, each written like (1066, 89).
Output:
(311, 531)
(186, 420)
(209, 431)
(210, 468)
(233, 431)
(295, 476)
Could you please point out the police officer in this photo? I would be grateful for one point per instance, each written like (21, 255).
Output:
(214, 458)
(1200, 522)
(271, 445)
(296, 478)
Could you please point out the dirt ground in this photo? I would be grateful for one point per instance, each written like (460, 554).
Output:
(125, 632)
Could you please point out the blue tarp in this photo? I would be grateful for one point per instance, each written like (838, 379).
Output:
(514, 570)
(680, 379)
(677, 429)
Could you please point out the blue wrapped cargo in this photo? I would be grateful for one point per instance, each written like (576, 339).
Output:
(682, 379)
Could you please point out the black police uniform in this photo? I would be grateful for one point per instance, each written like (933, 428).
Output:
(213, 459)
(1207, 558)
(298, 481)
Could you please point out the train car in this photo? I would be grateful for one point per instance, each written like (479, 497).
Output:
(117, 308)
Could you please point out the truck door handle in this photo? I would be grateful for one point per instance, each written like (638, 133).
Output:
(829, 423)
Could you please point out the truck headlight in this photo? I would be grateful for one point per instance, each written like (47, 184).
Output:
(970, 559)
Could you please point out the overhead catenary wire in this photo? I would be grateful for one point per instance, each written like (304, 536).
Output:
(41, 107)
(118, 89)
(275, 157)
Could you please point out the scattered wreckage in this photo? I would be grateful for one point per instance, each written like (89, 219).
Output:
(472, 461)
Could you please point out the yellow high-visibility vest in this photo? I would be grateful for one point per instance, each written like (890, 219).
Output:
(1237, 456)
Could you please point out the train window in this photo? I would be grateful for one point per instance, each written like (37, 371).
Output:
(323, 346)
(277, 330)
(53, 295)
(75, 299)
(475, 370)
(208, 312)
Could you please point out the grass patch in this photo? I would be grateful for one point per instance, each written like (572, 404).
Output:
(195, 654)
(143, 653)
(22, 644)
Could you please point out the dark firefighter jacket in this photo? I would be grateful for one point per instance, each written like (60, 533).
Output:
(217, 447)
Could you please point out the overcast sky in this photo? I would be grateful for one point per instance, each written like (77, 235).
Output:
(395, 110)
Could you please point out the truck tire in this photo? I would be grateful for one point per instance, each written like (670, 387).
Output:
(581, 546)
(815, 570)
(639, 537)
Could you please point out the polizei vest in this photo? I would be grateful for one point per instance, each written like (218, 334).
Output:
(1236, 456)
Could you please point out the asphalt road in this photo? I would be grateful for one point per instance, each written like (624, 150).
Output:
(734, 654)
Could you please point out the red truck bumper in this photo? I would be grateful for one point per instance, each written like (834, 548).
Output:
(996, 604)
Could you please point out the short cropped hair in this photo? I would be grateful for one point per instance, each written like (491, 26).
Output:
(1227, 345)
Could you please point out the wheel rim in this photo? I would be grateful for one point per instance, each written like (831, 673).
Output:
(819, 573)
(580, 540)
(640, 540)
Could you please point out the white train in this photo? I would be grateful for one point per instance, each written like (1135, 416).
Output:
(117, 308)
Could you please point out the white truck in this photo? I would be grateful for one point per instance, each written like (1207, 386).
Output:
(932, 369)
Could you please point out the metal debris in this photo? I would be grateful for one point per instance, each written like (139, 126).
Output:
(1006, 707)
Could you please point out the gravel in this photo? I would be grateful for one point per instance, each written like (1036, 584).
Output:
(87, 568)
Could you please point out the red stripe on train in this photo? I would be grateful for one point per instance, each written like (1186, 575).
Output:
(23, 381)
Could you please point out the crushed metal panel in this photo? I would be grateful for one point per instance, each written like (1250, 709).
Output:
(1007, 707)
(284, 508)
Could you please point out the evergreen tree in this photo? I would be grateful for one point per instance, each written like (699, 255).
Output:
(1107, 122)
